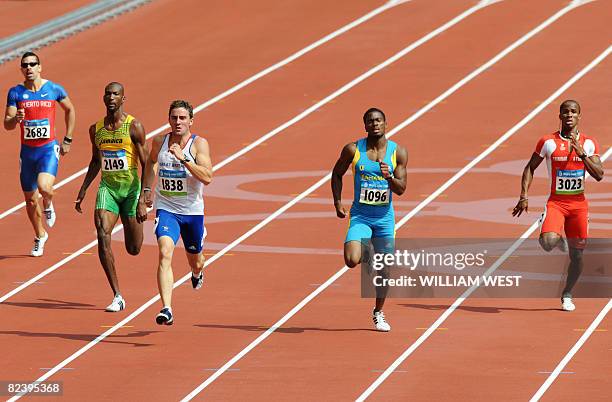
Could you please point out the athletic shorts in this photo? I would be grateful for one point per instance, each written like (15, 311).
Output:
(189, 227)
(35, 160)
(571, 217)
(380, 229)
(122, 202)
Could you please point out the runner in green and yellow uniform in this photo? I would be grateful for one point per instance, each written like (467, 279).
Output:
(118, 142)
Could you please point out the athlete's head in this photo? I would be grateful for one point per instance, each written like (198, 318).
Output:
(114, 96)
(180, 116)
(375, 122)
(569, 114)
(30, 66)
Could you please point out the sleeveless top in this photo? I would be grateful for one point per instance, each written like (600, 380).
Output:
(118, 156)
(177, 191)
(373, 196)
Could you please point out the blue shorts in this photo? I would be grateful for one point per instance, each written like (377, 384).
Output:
(35, 160)
(189, 227)
(380, 229)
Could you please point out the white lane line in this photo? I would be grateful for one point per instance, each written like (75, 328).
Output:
(419, 207)
(465, 295)
(558, 370)
(241, 85)
(294, 120)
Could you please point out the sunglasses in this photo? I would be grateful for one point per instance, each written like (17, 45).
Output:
(31, 64)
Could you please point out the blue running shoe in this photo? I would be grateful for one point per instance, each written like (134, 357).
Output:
(165, 317)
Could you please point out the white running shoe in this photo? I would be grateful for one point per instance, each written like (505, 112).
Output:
(117, 304)
(567, 304)
(379, 321)
(50, 216)
(39, 246)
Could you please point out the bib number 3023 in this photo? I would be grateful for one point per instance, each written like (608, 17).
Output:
(114, 161)
(36, 129)
(374, 196)
(173, 183)
(569, 182)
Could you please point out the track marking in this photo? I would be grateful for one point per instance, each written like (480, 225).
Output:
(302, 115)
(241, 85)
(469, 291)
(429, 199)
(553, 376)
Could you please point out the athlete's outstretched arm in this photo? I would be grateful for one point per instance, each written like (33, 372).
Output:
(92, 170)
(398, 183)
(70, 120)
(523, 203)
(340, 168)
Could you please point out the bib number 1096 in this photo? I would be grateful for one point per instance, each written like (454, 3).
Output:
(374, 196)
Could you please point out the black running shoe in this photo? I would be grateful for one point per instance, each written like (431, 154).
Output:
(197, 282)
(165, 317)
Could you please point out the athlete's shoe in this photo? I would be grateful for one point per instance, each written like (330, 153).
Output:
(567, 304)
(197, 281)
(50, 215)
(379, 321)
(165, 317)
(39, 245)
(116, 305)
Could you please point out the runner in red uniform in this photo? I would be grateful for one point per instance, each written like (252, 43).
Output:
(568, 154)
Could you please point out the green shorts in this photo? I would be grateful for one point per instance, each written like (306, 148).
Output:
(122, 201)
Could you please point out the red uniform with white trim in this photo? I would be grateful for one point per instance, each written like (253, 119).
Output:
(567, 207)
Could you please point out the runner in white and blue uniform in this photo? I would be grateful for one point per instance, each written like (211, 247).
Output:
(184, 168)
(379, 170)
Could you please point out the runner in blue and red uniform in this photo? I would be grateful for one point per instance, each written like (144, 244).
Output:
(31, 105)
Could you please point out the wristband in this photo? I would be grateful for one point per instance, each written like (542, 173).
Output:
(391, 177)
(583, 156)
(67, 140)
(146, 189)
(183, 161)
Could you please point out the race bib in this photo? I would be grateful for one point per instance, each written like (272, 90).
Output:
(569, 182)
(36, 129)
(173, 183)
(114, 161)
(374, 196)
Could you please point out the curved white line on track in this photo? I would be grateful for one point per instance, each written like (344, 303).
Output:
(241, 85)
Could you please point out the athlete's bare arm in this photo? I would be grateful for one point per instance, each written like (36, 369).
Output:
(340, 168)
(70, 119)
(592, 164)
(397, 184)
(92, 170)
(523, 203)
(12, 116)
(201, 168)
(148, 176)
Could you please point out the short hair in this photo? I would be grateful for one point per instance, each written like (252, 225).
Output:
(179, 103)
(116, 84)
(30, 54)
(565, 102)
(372, 110)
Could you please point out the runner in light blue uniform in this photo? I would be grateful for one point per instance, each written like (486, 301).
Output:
(379, 170)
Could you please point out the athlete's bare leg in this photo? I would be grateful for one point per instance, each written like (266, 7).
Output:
(34, 212)
(45, 187)
(196, 262)
(133, 234)
(574, 270)
(105, 222)
(352, 253)
(165, 277)
(550, 240)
